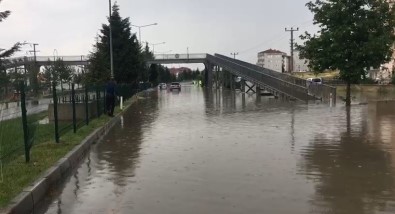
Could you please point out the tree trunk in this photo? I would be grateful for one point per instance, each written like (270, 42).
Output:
(348, 94)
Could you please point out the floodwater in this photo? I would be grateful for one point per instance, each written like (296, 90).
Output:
(218, 152)
(13, 110)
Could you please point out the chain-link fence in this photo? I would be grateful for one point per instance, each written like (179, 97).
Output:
(26, 121)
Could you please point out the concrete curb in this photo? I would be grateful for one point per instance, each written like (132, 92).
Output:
(26, 201)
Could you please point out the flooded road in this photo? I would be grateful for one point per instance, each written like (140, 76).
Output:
(217, 152)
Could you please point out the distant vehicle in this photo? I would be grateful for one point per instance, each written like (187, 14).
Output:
(175, 86)
(162, 86)
(314, 81)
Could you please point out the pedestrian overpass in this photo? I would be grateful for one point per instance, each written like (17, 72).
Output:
(222, 70)
(44, 60)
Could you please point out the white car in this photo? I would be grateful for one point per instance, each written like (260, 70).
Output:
(175, 86)
(314, 81)
(162, 86)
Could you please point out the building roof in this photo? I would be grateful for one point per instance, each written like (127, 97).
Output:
(179, 70)
(272, 51)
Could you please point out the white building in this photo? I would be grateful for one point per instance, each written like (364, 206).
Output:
(273, 60)
(300, 65)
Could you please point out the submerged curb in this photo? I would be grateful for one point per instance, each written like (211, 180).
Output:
(31, 196)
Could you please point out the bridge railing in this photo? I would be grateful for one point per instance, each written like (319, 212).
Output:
(64, 58)
(46, 58)
(179, 56)
(285, 77)
(272, 83)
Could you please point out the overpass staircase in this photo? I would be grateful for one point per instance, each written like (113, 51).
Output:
(272, 81)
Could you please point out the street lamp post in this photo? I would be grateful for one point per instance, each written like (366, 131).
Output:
(153, 45)
(141, 26)
(57, 55)
(111, 55)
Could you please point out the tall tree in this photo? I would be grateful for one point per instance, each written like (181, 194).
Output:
(4, 53)
(16, 46)
(354, 36)
(154, 74)
(126, 52)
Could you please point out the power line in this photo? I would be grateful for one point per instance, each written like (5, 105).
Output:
(274, 38)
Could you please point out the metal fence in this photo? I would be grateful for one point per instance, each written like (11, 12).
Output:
(26, 121)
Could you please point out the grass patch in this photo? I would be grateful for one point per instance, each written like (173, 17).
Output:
(44, 154)
(368, 92)
(11, 135)
(324, 75)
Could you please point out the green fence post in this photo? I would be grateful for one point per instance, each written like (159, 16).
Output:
(98, 101)
(55, 111)
(86, 105)
(104, 101)
(24, 122)
(73, 104)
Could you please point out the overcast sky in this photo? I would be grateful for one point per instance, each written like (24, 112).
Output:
(205, 26)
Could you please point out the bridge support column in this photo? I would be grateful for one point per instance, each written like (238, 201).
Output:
(217, 77)
(243, 100)
(258, 92)
(208, 75)
(243, 86)
(232, 82)
(223, 79)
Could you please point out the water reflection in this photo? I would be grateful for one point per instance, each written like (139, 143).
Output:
(354, 172)
(120, 151)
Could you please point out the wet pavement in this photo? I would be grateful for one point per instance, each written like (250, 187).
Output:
(217, 152)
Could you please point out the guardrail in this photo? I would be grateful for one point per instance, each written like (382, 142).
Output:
(254, 75)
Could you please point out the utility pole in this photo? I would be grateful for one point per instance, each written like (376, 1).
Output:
(234, 55)
(111, 56)
(292, 30)
(35, 71)
(34, 51)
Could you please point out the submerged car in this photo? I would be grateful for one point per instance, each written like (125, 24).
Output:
(175, 86)
(162, 86)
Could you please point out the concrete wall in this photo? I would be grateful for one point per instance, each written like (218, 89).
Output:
(65, 111)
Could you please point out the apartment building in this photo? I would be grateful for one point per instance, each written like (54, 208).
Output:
(274, 60)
